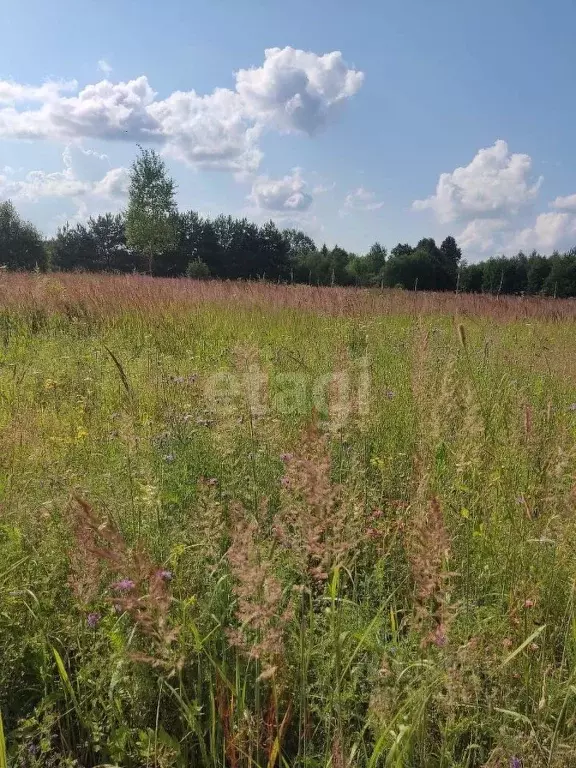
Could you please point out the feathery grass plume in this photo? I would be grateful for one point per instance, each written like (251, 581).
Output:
(427, 547)
(316, 524)
(142, 589)
(208, 523)
(442, 416)
(261, 615)
(471, 436)
(96, 543)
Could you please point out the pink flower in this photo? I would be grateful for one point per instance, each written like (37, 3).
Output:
(124, 585)
(93, 619)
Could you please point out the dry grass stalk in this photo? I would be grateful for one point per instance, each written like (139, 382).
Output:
(314, 522)
(101, 295)
(428, 547)
(142, 590)
(259, 595)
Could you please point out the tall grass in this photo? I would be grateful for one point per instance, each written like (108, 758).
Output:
(280, 526)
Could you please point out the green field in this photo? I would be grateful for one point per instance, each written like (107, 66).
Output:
(305, 532)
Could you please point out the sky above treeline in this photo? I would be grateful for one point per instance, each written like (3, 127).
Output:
(356, 122)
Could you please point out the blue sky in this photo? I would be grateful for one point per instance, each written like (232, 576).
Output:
(356, 122)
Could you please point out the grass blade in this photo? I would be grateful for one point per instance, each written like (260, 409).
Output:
(3, 756)
(523, 645)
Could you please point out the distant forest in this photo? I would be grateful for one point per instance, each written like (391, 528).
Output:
(153, 237)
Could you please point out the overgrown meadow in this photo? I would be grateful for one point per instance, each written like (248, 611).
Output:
(255, 526)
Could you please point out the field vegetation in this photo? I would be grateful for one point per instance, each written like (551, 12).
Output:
(248, 525)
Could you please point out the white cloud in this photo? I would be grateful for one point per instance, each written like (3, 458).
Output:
(567, 203)
(105, 67)
(208, 131)
(64, 184)
(550, 231)
(293, 91)
(296, 90)
(481, 235)
(495, 184)
(360, 199)
(114, 185)
(284, 195)
(11, 92)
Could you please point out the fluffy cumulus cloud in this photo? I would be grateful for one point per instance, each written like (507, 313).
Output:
(296, 90)
(286, 195)
(101, 111)
(37, 185)
(550, 231)
(209, 131)
(361, 200)
(567, 203)
(13, 93)
(490, 198)
(494, 184)
(482, 235)
(293, 91)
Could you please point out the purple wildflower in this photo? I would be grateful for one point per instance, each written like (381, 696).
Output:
(124, 585)
(439, 637)
(285, 481)
(165, 575)
(390, 394)
(515, 762)
(93, 619)
(286, 457)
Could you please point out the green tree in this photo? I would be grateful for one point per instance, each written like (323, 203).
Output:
(301, 250)
(471, 277)
(561, 280)
(400, 250)
(375, 263)
(197, 270)
(97, 246)
(151, 215)
(111, 254)
(274, 251)
(538, 270)
(21, 245)
(450, 261)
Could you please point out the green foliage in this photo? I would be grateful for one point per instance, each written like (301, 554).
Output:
(97, 246)
(197, 270)
(150, 218)
(439, 629)
(21, 245)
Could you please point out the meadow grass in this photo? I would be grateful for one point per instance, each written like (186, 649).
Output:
(247, 525)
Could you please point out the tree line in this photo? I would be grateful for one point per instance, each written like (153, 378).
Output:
(153, 237)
